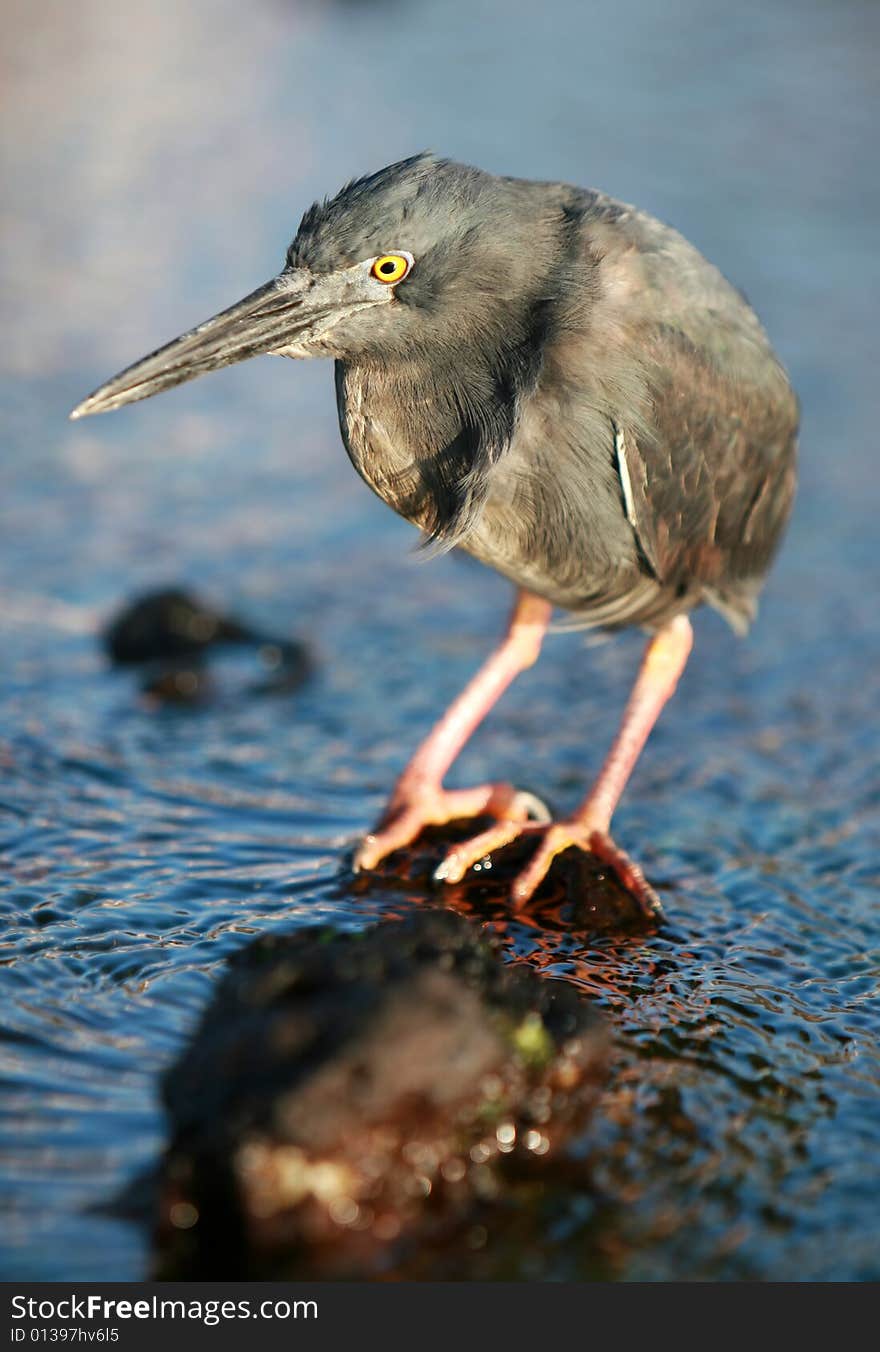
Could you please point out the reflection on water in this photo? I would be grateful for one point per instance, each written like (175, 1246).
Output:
(157, 160)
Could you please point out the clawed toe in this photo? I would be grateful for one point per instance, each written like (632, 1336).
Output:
(555, 839)
(461, 858)
(518, 814)
(524, 812)
(408, 816)
(628, 873)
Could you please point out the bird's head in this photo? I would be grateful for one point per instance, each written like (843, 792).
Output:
(424, 257)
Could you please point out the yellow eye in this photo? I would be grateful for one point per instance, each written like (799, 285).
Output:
(390, 268)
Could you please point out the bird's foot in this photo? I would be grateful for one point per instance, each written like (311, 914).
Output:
(409, 813)
(556, 838)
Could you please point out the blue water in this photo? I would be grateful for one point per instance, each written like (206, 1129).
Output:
(156, 161)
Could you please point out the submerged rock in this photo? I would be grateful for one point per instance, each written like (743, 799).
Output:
(356, 1105)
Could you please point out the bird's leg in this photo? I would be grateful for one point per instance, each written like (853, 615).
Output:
(589, 827)
(419, 798)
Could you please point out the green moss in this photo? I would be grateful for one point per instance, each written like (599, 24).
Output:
(532, 1043)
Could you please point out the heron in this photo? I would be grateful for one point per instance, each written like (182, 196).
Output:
(565, 388)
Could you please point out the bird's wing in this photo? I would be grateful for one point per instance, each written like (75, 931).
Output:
(705, 430)
(708, 477)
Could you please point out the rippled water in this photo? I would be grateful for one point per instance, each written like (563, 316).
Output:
(156, 161)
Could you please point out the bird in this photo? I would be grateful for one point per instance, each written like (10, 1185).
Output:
(560, 385)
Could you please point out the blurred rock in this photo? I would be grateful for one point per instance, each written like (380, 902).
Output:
(356, 1105)
(169, 623)
(170, 632)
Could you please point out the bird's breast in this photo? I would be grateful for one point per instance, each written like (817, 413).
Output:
(553, 520)
(378, 437)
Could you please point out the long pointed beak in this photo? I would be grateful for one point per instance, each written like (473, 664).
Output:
(277, 315)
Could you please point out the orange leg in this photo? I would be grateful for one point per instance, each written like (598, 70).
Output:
(589, 827)
(419, 798)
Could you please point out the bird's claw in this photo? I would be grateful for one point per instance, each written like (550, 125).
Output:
(409, 814)
(557, 837)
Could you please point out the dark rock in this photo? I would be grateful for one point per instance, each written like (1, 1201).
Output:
(169, 634)
(169, 624)
(578, 895)
(355, 1105)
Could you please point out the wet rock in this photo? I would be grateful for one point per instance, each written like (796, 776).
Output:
(578, 895)
(169, 634)
(357, 1105)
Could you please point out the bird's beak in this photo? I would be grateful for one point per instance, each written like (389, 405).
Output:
(281, 316)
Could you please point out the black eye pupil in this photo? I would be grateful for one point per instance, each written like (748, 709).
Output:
(387, 267)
